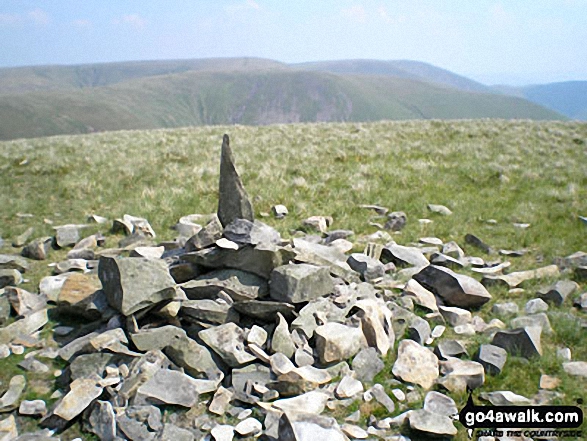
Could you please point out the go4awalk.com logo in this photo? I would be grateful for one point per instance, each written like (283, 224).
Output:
(529, 421)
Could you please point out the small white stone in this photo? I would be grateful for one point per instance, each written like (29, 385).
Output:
(250, 426)
(4, 351)
(438, 331)
(17, 349)
(399, 394)
(467, 329)
(227, 244)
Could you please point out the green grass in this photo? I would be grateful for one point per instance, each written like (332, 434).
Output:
(509, 171)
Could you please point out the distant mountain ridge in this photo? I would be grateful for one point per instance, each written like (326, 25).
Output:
(51, 100)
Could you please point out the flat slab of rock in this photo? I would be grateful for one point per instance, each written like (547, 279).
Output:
(577, 368)
(308, 427)
(416, 364)
(233, 200)
(431, 423)
(132, 284)
(239, 285)
(296, 283)
(227, 341)
(193, 357)
(9, 261)
(170, 387)
(156, 338)
(24, 327)
(515, 279)
(492, 358)
(455, 289)
(81, 394)
(10, 399)
(265, 310)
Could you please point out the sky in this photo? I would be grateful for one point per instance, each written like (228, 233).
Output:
(512, 42)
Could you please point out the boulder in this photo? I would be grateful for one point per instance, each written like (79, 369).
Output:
(431, 424)
(210, 311)
(337, 342)
(233, 201)
(455, 289)
(449, 349)
(534, 306)
(206, 236)
(440, 404)
(38, 249)
(369, 268)
(458, 375)
(10, 277)
(157, 338)
(455, 316)
(297, 283)
(558, 292)
(24, 302)
(132, 284)
(416, 364)
(296, 426)
(403, 256)
(170, 387)
(102, 420)
(348, 387)
(10, 262)
(82, 392)
(366, 364)
(492, 358)
(11, 398)
(193, 357)
(281, 340)
(420, 295)
(523, 342)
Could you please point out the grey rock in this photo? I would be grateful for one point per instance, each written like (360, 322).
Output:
(416, 364)
(539, 320)
(366, 364)
(193, 357)
(524, 342)
(265, 310)
(576, 368)
(257, 335)
(534, 306)
(323, 255)
(102, 421)
(440, 404)
(419, 330)
(9, 261)
(86, 365)
(403, 256)
(132, 284)
(396, 221)
(337, 342)
(439, 209)
(34, 407)
(452, 249)
(558, 292)
(31, 364)
(148, 252)
(492, 358)
(175, 433)
(10, 277)
(473, 240)
(245, 232)
(376, 323)
(455, 316)
(221, 400)
(184, 271)
(370, 269)
(458, 375)
(444, 260)
(581, 302)
(317, 223)
(222, 432)
(281, 340)
(455, 289)
(23, 327)
(206, 237)
(38, 249)
(81, 394)
(228, 342)
(420, 295)
(189, 225)
(259, 260)
(239, 285)
(170, 387)
(309, 427)
(209, 311)
(24, 302)
(505, 398)
(348, 387)
(11, 398)
(249, 426)
(515, 279)
(253, 373)
(431, 423)
(449, 349)
(233, 201)
(21, 239)
(139, 423)
(296, 283)
(505, 309)
(67, 235)
(581, 273)
(8, 429)
(279, 211)
(378, 392)
(156, 338)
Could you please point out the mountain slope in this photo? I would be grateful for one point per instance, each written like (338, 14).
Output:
(568, 98)
(246, 97)
(413, 70)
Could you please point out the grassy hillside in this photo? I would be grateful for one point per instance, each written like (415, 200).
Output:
(407, 69)
(506, 171)
(43, 78)
(246, 97)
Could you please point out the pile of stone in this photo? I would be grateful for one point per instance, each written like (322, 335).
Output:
(255, 336)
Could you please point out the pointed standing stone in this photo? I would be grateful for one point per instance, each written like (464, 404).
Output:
(233, 201)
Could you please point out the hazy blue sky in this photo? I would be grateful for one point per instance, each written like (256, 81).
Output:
(511, 41)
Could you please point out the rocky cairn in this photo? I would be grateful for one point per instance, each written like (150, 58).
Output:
(254, 336)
